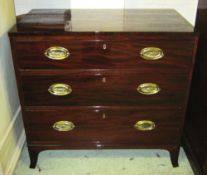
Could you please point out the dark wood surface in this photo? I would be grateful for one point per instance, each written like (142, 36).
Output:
(86, 53)
(195, 128)
(202, 4)
(117, 126)
(103, 82)
(118, 88)
(103, 20)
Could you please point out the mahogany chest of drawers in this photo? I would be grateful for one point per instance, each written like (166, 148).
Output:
(98, 79)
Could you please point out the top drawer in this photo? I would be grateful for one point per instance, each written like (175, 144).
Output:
(102, 54)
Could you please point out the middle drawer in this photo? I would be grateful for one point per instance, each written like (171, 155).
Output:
(95, 88)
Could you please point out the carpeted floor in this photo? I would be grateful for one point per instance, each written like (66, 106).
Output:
(103, 162)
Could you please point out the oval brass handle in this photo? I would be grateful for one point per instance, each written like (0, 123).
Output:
(63, 126)
(148, 88)
(151, 53)
(144, 125)
(57, 53)
(60, 89)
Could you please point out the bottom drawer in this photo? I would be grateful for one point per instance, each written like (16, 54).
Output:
(101, 125)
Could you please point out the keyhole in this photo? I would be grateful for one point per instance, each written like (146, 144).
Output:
(103, 116)
(104, 80)
(104, 47)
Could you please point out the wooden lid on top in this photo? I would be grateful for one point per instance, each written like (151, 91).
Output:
(104, 20)
(42, 19)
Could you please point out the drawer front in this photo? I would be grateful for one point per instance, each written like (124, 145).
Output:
(101, 125)
(104, 88)
(103, 54)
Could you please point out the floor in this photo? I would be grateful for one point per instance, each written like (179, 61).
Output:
(103, 162)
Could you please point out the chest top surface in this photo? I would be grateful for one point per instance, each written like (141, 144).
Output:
(99, 20)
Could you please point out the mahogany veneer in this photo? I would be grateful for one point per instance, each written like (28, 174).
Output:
(104, 70)
(86, 54)
(119, 88)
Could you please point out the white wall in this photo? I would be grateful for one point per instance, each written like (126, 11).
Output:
(111, 4)
(11, 127)
(23, 6)
(186, 8)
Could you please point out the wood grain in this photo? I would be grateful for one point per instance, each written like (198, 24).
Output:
(107, 20)
(116, 126)
(118, 88)
(88, 54)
